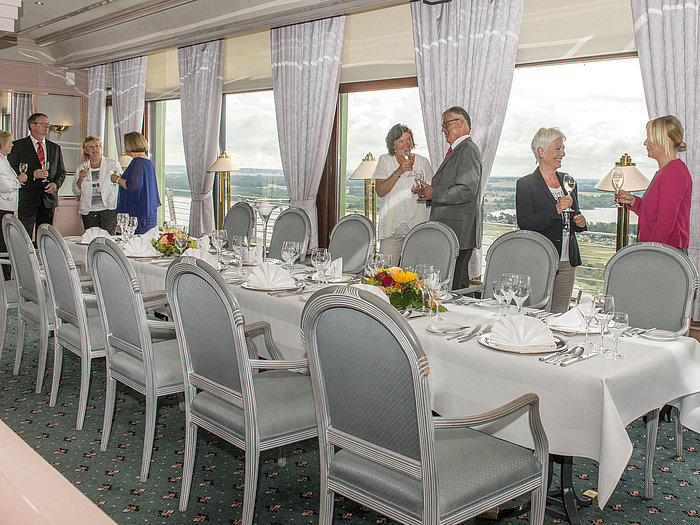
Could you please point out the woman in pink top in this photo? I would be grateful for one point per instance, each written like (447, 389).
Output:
(664, 210)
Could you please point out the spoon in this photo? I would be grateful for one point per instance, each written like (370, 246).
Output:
(572, 356)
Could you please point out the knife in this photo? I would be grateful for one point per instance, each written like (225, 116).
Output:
(573, 360)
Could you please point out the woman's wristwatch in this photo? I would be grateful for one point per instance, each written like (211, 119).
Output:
(395, 175)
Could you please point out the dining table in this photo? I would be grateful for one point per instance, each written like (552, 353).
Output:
(584, 407)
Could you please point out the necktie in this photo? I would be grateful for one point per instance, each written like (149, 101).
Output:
(448, 151)
(40, 153)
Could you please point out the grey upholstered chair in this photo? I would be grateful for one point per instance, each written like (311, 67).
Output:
(8, 298)
(655, 285)
(226, 392)
(353, 240)
(77, 328)
(240, 220)
(380, 445)
(292, 224)
(431, 243)
(522, 252)
(33, 303)
(141, 354)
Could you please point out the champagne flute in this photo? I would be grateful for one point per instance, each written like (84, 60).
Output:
(569, 184)
(45, 167)
(605, 308)
(113, 172)
(181, 240)
(419, 177)
(440, 293)
(521, 290)
(239, 245)
(23, 168)
(617, 179)
(423, 271)
(587, 308)
(619, 322)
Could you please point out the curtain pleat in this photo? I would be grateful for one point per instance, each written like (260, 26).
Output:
(128, 97)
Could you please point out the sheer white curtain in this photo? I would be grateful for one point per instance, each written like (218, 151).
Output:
(667, 34)
(22, 107)
(306, 60)
(201, 84)
(465, 56)
(128, 97)
(97, 100)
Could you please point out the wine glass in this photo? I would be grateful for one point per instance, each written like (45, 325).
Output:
(113, 172)
(619, 322)
(290, 252)
(130, 227)
(23, 168)
(605, 308)
(239, 245)
(219, 238)
(500, 296)
(587, 308)
(569, 184)
(508, 280)
(617, 179)
(423, 271)
(320, 259)
(45, 167)
(265, 210)
(122, 218)
(440, 292)
(419, 177)
(521, 290)
(431, 282)
(181, 240)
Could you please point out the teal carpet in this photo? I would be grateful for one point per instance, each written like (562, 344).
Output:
(286, 495)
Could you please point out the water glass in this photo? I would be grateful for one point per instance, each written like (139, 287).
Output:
(500, 296)
(181, 240)
(321, 259)
(239, 245)
(290, 252)
(508, 280)
(521, 290)
(440, 292)
(587, 307)
(605, 308)
(619, 322)
(130, 227)
(122, 218)
(219, 238)
(432, 281)
(423, 271)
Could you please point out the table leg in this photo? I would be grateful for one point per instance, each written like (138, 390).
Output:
(564, 496)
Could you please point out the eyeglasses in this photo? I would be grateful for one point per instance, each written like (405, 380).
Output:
(40, 123)
(446, 123)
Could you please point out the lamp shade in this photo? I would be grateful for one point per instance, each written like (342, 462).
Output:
(124, 160)
(223, 163)
(634, 179)
(366, 168)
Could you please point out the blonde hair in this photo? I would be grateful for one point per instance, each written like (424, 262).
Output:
(135, 142)
(663, 128)
(90, 138)
(543, 138)
(5, 137)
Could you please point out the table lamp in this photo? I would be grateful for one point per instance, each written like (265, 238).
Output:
(124, 160)
(365, 171)
(222, 167)
(634, 180)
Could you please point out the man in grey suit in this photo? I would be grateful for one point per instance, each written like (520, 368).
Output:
(455, 193)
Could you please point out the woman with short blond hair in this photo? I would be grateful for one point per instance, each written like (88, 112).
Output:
(10, 183)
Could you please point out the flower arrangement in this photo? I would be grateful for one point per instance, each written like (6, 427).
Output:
(399, 285)
(165, 244)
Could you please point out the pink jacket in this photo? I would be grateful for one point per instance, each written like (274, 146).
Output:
(664, 211)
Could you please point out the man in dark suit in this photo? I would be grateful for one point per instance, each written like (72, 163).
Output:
(38, 197)
(455, 193)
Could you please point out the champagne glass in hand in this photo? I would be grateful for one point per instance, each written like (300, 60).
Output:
(45, 167)
(23, 168)
(569, 184)
(617, 179)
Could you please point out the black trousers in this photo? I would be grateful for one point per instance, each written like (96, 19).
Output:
(461, 277)
(105, 219)
(34, 216)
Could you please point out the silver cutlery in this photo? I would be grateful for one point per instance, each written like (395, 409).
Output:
(478, 333)
(634, 332)
(289, 292)
(460, 336)
(571, 361)
(548, 358)
(558, 357)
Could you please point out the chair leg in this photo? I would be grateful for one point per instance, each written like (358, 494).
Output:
(326, 501)
(85, 368)
(151, 409)
(652, 431)
(252, 466)
(43, 352)
(20, 346)
(188, 464)
(57, 367)
(110, 395)
(3, 329)
(538, 504)
(281, 458)
(679, 431)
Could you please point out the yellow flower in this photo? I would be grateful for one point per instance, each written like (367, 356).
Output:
(403, 277)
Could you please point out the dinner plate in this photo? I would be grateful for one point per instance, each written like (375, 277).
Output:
(334, 280)
(657, 334)
(444, 328)
(153, 256)
(250, 286)
(560, 344)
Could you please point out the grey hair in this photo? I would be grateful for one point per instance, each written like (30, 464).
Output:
(394, 134)
(543, 138)
(459, 110)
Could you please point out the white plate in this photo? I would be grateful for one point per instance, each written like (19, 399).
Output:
(490, 303)
(156, 256)
(335, 280)
(250, 286)
(445, 328)
(657, 334)
(560, 344)
(594, 329)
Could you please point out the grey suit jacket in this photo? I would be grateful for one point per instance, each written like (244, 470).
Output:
(457, 200)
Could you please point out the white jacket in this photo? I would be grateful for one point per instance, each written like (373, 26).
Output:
(9, 185)
(107, 188)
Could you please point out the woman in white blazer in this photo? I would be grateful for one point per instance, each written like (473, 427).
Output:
(10, 183)
(93, 184)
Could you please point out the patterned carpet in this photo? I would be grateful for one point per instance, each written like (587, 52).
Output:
(287, 495)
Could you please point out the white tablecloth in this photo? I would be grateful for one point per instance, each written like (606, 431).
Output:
(584, 407)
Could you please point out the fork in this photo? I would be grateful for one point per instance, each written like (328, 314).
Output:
(479, 333)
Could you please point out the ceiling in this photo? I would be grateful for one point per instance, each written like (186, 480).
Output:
(80, 33)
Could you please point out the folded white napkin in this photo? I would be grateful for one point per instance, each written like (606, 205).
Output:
(93, 233)
(254, 255)
(153, 233)
(335, 270)
(518, 331)
(572, 321)
(267, 275)
(373, 289)
(201, 254)
(203, 242)
(139, 246)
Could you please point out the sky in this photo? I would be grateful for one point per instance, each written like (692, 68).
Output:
(598, 105)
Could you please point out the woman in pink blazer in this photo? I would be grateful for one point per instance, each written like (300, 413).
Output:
(664, 210)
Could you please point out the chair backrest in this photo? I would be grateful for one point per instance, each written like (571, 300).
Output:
(62, 278)
(25, 264)
(209, 328)
(523, 252)
(370, 385)
(240, 220)
(654, 284)
(292, 224)
(120, 303)
(431, 243)
(353, 240)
